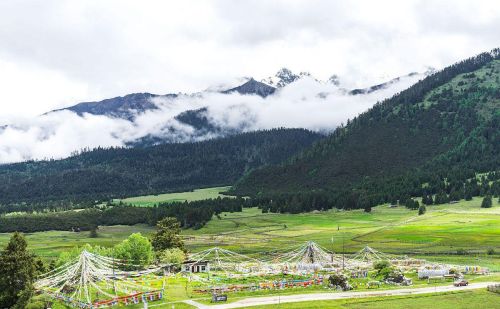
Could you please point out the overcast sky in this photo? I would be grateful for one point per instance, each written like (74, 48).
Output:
(57, 53)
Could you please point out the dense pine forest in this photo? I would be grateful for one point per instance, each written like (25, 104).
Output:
(102, 174)
(431, 138)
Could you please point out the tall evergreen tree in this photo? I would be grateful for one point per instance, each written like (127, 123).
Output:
(17, 273)
(487, 203)
(168, 235)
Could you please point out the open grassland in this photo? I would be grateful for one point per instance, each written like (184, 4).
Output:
(437, 236)
(195, 195)
(456, 300)
(50, 244)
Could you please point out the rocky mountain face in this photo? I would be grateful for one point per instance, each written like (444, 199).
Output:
(129, 105)
(253, 87)
(121, 107)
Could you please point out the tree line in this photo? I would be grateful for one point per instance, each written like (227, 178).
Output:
(190, 215)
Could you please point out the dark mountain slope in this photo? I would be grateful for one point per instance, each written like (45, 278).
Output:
(447, 121)
(122, 107)
(253, 87)
(108, 173)
(135, 103)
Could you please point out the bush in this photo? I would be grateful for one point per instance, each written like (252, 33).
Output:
(385, 272)
(490, 251)
(174, 256)
(339, 280)
(421, 210)
(394, 276)
(36, 305)
(93, 232)
(379, 265)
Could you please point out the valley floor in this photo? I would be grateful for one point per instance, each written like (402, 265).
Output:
(458, 233)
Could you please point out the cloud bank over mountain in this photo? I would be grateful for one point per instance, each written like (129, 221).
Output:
(53, 53)
(305, 103)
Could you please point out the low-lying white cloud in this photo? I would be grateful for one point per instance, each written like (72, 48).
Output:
(305, 103)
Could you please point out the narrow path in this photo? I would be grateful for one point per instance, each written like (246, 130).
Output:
(274, 300)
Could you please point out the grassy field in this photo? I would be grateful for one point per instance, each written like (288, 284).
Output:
(456, 300)
(50, 244)
(436, 236)
(195, 195)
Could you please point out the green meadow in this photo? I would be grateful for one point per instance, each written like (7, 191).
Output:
(195, 195)
(458, 233)
(50, 244)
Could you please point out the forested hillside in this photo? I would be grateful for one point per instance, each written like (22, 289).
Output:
(446, 126)
(120, 172)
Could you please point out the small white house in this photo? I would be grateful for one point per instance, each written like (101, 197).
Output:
(196, 266)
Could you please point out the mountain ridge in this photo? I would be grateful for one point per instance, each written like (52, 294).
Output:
(127, 105)
(425, 124)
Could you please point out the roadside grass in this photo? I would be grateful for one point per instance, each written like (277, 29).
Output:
(451, 300)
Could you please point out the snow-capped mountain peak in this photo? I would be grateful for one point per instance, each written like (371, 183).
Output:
(285, 77)
(282, 78)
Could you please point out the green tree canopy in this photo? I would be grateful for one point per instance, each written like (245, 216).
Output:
(174, 256)
(72, 254)
(136, 250)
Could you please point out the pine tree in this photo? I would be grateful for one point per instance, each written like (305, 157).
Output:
(368, 208)
(167, 235)
(487, 203)
(17, 269)
(468, 195)
(427, 199)
(93, 232)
